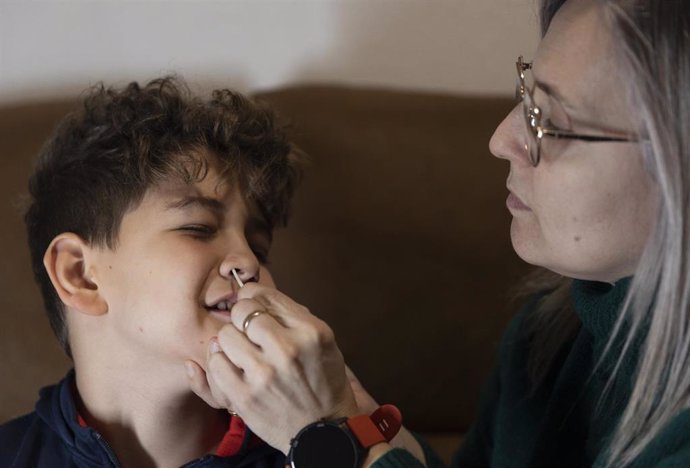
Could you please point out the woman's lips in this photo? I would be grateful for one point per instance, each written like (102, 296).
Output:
(515, 204)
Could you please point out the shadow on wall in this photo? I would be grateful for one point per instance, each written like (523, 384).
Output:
(460, 46)
(448, 46)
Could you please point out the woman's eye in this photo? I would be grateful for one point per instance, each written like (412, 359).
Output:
(548, 123)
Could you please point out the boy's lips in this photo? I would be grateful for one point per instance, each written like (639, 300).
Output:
(222, 315)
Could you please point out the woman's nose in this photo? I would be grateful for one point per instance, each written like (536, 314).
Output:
(509, 140)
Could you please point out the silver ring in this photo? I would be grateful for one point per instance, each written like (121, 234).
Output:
(232, 413)
(251, 317)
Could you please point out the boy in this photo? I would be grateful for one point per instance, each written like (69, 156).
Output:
(144, 204)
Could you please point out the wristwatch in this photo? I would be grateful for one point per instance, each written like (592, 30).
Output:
(343, 443)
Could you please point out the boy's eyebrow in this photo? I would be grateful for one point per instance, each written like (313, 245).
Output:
(204, 202)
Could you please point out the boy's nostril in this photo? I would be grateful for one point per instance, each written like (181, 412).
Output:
(237, 277)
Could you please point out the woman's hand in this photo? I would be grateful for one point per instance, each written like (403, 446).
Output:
(284, 373)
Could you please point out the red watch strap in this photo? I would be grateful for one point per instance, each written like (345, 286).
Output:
(388, 419)
(381, 426)
(365, 430)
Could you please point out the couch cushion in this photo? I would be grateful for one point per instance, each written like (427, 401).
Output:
(399, 240)
(31, 357)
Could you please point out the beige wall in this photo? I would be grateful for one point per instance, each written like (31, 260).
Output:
(467, 46)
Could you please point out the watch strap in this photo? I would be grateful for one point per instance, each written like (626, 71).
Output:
(362, 432)
(388, 419)
(365, 431)
(381, 426)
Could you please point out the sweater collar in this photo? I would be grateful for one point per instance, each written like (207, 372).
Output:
(598, 305)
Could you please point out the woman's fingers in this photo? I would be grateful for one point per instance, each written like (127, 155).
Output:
(243, 354)
(236, 359)
(223, 378)
(267, 317)
(296, 349)
(249, 314)
(286, 311)
(199, 383)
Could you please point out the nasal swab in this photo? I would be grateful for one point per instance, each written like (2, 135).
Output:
(237, 277)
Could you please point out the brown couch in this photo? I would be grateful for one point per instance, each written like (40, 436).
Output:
(400, 240)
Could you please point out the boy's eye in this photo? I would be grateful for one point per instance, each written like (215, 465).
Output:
(199, 230)
(207, 231)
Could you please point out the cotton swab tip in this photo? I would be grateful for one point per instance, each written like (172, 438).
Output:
(237, 278)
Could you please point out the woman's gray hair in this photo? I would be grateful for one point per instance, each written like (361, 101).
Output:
(651, 40)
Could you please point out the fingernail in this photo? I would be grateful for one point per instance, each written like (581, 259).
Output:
(190, 369)
(214, 347)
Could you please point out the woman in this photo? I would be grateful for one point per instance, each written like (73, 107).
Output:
(594, 370)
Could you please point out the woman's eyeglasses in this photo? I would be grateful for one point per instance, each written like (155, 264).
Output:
(537, 122)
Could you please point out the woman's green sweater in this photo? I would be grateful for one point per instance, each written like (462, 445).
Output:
(566, 422)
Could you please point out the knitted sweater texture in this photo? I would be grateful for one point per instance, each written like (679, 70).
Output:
(569, 420)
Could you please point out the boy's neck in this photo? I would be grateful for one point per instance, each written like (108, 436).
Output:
(146, 424)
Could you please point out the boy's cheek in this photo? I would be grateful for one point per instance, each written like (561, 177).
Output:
(265, 277)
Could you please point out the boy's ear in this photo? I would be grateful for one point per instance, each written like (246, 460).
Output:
(65, 261)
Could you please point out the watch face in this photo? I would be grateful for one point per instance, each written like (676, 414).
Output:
(324, 445)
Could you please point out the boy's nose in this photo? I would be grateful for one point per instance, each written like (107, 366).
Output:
(245, 265)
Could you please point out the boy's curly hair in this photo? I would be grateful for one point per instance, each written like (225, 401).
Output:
(102, 158)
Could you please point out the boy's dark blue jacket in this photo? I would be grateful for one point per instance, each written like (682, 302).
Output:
(51, 436)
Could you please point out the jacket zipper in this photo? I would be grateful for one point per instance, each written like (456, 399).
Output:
(108, 450)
